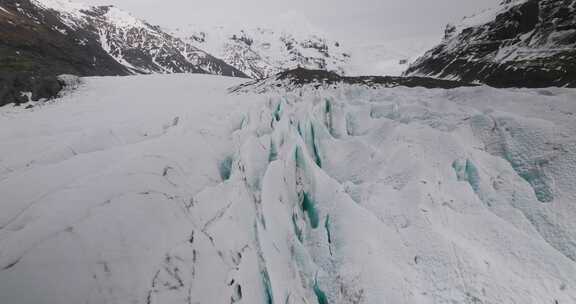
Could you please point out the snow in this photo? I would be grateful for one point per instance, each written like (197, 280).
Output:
(118, 32)
(123, 19)
(543, 46)
(386, 58)
(485, 16)
(71, 12)
(71, 7)
(289, 42)
(5, 10)
(75, 11)
(166, 189)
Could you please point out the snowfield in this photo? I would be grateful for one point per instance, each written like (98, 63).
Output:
(165, 189)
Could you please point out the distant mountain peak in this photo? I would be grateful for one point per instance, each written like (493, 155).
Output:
(261, 51)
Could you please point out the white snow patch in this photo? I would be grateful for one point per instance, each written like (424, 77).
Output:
(123, 19)
(485, 16)
(5, 10)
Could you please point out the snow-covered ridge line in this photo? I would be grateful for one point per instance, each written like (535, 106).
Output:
(67, 6)
(77, 10)
(486, 15)
(134, 44)
(262, 51)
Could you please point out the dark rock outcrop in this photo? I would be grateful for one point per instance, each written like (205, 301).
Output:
(11, 87)
(300, 77)
(22, 87)
(527, 43)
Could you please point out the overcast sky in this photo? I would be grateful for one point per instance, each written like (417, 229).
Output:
(355, 21)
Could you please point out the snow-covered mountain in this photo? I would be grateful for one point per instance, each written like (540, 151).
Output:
(42, 38)
(347, 195)
(262, 51)
(521, 43)
(135, 44)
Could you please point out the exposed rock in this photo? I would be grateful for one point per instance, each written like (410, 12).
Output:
(449, 32)
(300, 77)
(45, 87)
(13, 86)
(526, 43)
(22, 87)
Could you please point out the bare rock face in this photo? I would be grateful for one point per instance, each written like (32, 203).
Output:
(522, 43)
(46, 87)
(11, 87)
(449, 32)
(21, 87)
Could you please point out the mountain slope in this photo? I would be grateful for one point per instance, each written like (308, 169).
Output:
(348, 195)
(264, 51)
(34, 50)
(527, 43)
(137, 45)
(44, 38)
(36, 39)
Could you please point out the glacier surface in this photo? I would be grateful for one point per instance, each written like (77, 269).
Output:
(166, 189)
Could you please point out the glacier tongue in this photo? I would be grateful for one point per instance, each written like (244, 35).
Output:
(117, 194)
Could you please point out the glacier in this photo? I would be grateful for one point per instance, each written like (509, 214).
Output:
(168, 189)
